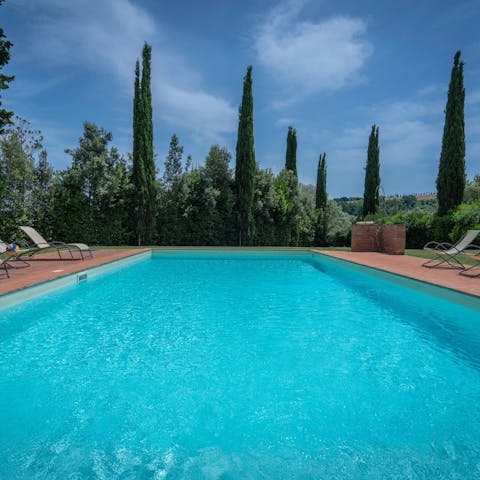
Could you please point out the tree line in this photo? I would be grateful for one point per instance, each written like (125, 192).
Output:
(94, 199)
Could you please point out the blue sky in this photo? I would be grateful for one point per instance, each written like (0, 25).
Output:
(330, 69)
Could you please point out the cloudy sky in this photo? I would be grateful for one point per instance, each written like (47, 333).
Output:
(330, 69)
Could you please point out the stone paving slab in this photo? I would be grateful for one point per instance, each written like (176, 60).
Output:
(48, 266)
(411, 267)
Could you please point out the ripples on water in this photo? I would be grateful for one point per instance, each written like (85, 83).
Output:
(226, 368)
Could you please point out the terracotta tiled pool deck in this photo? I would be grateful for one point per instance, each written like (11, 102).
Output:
(411, 267)
(49, 267)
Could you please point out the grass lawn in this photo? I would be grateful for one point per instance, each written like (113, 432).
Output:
(465, 259)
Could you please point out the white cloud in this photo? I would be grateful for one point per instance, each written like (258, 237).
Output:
(286, 122)
(432, 90)
(107, 36)
(410, 142)
(326, 55)
(204, 113)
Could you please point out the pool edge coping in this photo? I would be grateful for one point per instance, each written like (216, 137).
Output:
(439, 291)
(26, 293)
(430, 288)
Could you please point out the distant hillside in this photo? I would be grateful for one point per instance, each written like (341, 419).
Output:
(392, 204)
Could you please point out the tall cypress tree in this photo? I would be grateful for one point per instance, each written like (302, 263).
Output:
(371, 197)
(321, 201)
(451, 171)
(145, 144)
(245, 167)
(321, 192)
(291, 153)
(138, 172)
(5, 116)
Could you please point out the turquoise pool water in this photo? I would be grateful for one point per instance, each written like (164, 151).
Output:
(239, 367)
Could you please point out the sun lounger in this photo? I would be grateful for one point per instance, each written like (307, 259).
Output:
(41, 244)
(447, 253)
(474, 270)
(3, 266)
(15, 256)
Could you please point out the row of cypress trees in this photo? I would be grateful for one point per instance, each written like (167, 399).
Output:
(450, 180)
(451, 177)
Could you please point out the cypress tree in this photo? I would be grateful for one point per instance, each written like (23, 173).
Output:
(138, 172)
(451, 171)
(245, 167)
(145, 144)
(371, 198)
(291, 153)
(321, 202)
(321, 192)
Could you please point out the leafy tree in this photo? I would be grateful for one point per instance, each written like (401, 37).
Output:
(472, 190)
(90, 198)
(42, 195)
(188, 163)
(371, 198)
(339, 225)
(70, 207)
(288, 213)
(199, 212)
(245, 167)
(5, 45)
(266, 204)
(291, 153)
(173, 197)
(18, 149)
(451, 172)
(306, 223)
(351, 205)
(173, 163)
(218, 177)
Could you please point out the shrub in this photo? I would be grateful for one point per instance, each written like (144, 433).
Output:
(465, 217)
(339, 225)
(418, 224)
(442, 227)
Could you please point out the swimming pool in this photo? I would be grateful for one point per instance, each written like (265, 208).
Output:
(223, 366)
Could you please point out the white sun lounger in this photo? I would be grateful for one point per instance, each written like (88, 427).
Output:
(447, 253)
(41, 244)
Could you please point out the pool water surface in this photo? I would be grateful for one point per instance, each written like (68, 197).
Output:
(217, 366)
